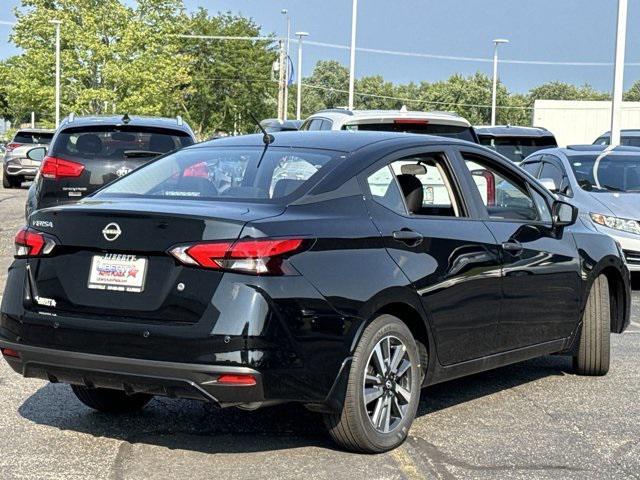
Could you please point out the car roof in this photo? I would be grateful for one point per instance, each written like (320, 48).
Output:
(359, 115)
(512, 131)
(343, 141)
(575, 150)
(175, 123)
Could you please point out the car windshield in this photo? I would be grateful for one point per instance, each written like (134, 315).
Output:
(617, 173)
(239, 174)
(117, 142)
(517, 149)
(43, 138)
(420, 127)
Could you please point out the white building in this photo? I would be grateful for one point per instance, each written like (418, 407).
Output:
(578, 122)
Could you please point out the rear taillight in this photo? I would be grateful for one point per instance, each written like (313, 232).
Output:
(10, 146)
(237, 379)
(258, 257)
(10, 352)
(30, 243)
(55, 168)
(491, 185)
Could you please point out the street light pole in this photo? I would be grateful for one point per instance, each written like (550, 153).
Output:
(300, 36)
(618, 73)
(284, 11)
(494, 92)
(352, 60)
(57, 24)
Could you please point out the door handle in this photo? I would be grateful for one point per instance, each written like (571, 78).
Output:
(407, 236)
(514, 248)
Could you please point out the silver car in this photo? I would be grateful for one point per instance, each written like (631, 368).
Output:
(603, 182)
(16, 167)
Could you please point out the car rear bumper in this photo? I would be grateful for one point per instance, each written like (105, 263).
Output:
(132, 375)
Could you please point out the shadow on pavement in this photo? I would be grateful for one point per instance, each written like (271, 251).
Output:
(200, 427)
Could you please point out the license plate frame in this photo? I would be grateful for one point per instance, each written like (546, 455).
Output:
(118, 272)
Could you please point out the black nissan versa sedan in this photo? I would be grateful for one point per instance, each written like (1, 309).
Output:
(311, 267)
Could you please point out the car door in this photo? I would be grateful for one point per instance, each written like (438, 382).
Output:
(442, 246)
(540, 267)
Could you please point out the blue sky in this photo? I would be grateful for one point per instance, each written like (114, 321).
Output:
(547, 30)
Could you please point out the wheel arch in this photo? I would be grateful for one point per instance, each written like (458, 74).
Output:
(618, 293)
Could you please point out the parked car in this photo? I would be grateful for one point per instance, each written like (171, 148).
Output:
(443, 124)
(603, 183)
(16, 167)
(89, 152)
(308, 267)
(272, 125)
(515, 143)
(628, 138)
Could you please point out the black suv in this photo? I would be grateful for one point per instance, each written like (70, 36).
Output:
(89, 152)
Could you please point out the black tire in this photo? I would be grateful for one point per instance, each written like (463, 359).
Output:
(353, 427)
(110, 401)
(11, 182)
(594, 349)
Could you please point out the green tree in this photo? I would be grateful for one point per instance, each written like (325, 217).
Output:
(633, 94)
(565, 91)
(230, 80)
(327, 87)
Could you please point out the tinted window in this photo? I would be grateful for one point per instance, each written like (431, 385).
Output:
(33, 137)
(384, 189)
(551, 171)
(248, 174)
(113, 142)
(614, 172)
(627, 141)
(315, 124)
(326, 125)
(517, 149)
(505, 197)
(532, 168)
(424, 128)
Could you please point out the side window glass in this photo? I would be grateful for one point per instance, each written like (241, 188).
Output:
(315, 124)
(326, 125)
(505, 197)
(552, 172)
(427, 186)
(384, 190)
(543, 207)
(532, 168)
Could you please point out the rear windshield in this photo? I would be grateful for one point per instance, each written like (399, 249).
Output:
(117, 142)
(33, 137)
(627, 141)
(238, 174)
(614, 173)
(517, 149)
(424, 128)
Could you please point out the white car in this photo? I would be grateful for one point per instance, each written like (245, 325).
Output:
(443, 124)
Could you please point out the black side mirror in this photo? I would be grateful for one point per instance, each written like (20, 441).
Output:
(37, 154)
(564, 214)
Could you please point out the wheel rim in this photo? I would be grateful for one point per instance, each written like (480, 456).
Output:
(386, 388)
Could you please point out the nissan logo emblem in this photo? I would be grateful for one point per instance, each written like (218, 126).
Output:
(111, 232)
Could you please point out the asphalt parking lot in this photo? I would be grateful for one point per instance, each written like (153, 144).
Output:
(530, 420)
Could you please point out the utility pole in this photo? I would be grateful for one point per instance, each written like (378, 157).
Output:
(284, 11)
(352, 59)
(33, 119)
(494, 91)
(57, 24)
(281, 82)
(300, 36)
(618, 73)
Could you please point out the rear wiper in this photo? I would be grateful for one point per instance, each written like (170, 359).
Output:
(613, 189)
(140, 153)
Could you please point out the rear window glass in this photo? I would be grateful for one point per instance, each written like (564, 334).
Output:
(423, 128)
(517, 149)
(33, 137)
(116, 143)
(249, 174)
